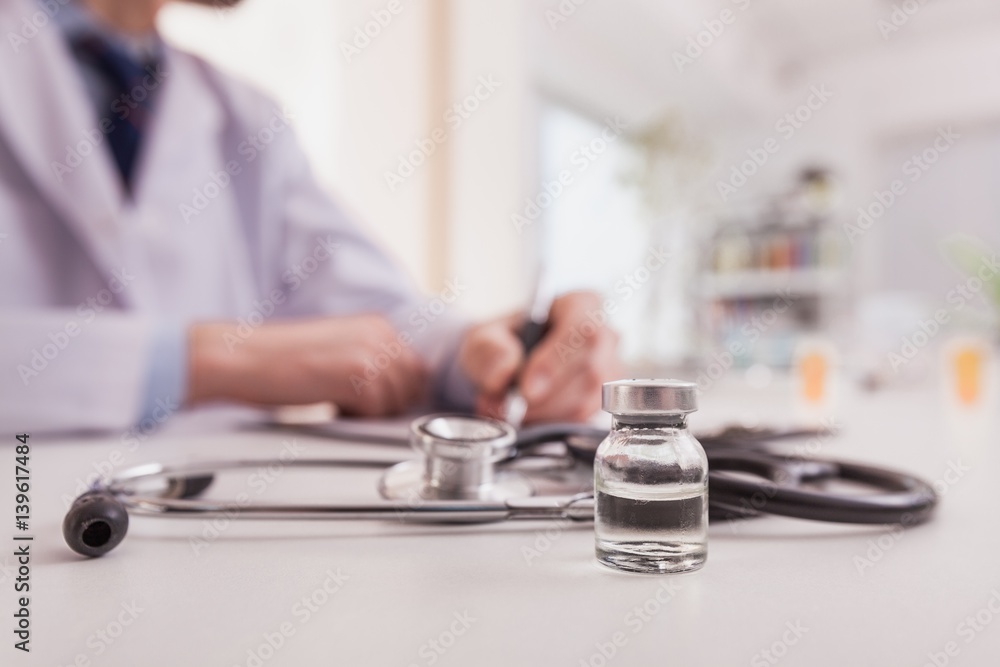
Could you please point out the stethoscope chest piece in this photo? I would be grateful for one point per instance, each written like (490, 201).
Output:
(468, 472)
(460, 460)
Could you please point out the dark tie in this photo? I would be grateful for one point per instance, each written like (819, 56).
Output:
(130, 108)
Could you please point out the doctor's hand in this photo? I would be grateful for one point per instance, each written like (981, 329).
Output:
(562, 377)
(332, 359)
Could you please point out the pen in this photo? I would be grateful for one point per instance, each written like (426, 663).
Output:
(531, 333)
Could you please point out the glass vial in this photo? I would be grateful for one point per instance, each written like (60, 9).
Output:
(651, 480)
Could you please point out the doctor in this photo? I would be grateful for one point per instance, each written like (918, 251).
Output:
(126, 299)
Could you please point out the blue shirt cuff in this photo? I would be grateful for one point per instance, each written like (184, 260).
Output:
(166, 384)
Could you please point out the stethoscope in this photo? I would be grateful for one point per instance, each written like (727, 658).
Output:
(473, 469)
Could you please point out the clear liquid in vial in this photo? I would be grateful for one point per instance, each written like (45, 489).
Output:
(652, 530)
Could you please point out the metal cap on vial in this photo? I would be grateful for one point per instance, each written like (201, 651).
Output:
(650, 397)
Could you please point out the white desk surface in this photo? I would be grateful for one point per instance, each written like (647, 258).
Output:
(405, 586)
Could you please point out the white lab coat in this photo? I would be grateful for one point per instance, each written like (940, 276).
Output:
(89, 276)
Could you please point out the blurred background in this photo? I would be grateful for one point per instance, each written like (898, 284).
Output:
(762, 188)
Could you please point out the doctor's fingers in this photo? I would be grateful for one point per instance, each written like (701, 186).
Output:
(575, 387)
(574, 390)
(567, 355)
(577, 400)
(491, 355)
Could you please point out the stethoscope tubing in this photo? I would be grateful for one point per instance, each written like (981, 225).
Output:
(904, 498)
(746, 479)
(574, 508)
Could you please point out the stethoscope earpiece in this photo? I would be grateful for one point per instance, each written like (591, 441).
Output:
(96, 523)
(470, 470)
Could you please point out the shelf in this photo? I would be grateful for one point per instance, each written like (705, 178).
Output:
(757, 284)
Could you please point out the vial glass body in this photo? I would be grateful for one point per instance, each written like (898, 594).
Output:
(651, 486)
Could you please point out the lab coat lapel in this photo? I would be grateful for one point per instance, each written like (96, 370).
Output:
(185, 129)
(182, 150)
(48, 120)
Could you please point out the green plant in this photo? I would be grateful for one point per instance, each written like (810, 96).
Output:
(972, 256)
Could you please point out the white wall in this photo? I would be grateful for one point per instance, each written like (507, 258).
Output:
(608, 57)
(270, 45)
(356, 118)
(360, 114)
(893, 102)
(492, 167)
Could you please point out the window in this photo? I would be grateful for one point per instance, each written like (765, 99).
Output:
(596, 234)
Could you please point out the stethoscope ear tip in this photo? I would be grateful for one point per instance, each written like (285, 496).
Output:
(95, 524)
